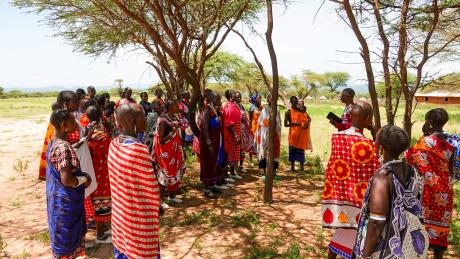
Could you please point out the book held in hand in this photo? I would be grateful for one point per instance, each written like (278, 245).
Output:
(332, 116)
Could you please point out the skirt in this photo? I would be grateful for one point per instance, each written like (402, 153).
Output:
(296, 154)
(343, 241)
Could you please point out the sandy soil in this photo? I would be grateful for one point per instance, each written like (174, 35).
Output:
(235, 226)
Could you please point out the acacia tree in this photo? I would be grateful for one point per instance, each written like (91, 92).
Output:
(307, 84)
(335, 80)
(411, 34)
(179, 35)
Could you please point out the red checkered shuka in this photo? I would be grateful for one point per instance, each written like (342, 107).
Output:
(89, 210)
(352, 163)
(62, 155)
(232, 117)
(74, 137)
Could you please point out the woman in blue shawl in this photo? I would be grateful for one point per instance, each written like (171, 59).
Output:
(65, 191)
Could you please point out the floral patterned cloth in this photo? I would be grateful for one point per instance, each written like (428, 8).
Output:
(352, 163)
(431, 156)
(454, 140)
(168, 157)
(98, 145)
(404, 235)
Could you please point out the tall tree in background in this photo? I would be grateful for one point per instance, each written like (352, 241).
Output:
(335, 80)
(411, 35)
(179, 35)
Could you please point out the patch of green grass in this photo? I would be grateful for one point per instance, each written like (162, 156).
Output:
(272, 226)
(258, 192)
(247, 219)
(315, 165)
(17, 203)
(43, 237)
(2, 244)
(293, 251)
(197, 246)
(20, 166)
(262, 252)
(37, 153)
(319, 236)
(268, 251)
(196, 218)
(22, 108)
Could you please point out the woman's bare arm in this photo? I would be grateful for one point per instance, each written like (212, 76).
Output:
(379, 206)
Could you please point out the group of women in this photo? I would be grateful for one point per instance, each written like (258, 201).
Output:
(403, 195)
(227, 134)
(76, 160)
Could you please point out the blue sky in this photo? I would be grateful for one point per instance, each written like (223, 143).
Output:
(31, 57)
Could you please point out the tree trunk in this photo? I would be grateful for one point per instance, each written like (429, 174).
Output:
(365, 54)
(408, 115)
(195, 100)
(268, 192)
(402, 50)
(385, 64)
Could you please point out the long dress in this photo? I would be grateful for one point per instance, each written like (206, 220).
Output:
(232, 118)
(454, 140)
(168, 157)
(404, 234)
(299, 138)
(65, 209)
(352, 163)
(431, 156)
(98, 145)
(247, 137)
(261, 137)
(135, 200)
(210, 163)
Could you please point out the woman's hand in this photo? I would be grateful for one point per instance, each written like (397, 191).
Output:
(88, 180)
(90, 129)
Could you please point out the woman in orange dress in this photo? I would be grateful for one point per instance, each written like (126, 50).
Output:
(298, 123)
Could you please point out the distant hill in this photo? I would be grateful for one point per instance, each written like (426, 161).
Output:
(450, 83)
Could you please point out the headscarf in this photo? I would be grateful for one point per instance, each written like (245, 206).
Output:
(254, 98)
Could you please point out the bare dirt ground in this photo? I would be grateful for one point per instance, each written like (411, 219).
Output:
(237, 225)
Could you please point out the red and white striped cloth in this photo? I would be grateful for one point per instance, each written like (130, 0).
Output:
(135, 199)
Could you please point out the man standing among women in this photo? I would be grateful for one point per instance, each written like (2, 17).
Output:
(398, 207)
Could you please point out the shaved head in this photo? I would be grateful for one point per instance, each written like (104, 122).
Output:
(131, 116)
(361, 115)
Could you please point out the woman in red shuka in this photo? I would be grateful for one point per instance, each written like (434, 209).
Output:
(98, 144)
(168, 155)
